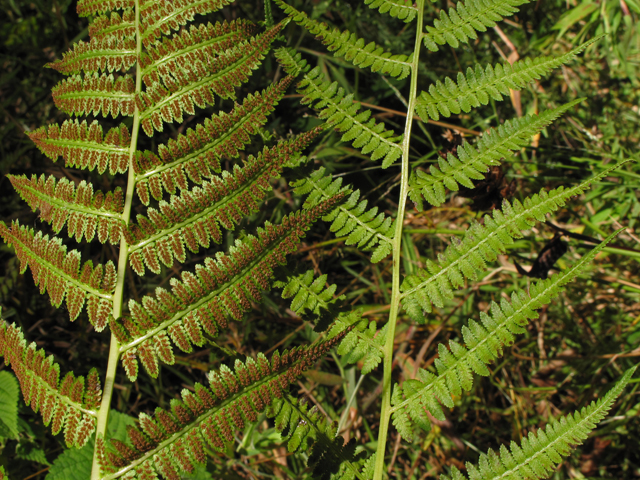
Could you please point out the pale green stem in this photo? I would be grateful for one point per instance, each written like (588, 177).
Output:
(118, 296)
(385, 413)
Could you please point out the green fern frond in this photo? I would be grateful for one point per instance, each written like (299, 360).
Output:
(84, 146)
(342, 113)
(402, 9)
(312, 298)
(353, 49)
(365, 228)
(308, 293)
(193, 219)
(161, 18)
(199, 43)
(197, 153)
(197, 83)
(85, 213)
(93, 7)
(480, 86)
(313, 301)
(96, 94)
(484, 344)
(220, 289)
(59, 272)
(541, 452)
(364, 343)
(481, 244)
(176, 440)
(291, 61)
(306, 429)
(460, 23)
(68, 404)
(472, 161)
(113, 26)
(99, 55)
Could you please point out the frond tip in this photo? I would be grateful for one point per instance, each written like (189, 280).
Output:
(541, 452)
(69, 404)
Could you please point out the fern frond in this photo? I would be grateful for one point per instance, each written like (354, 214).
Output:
(312, 298)
(460, 23)
(308, 293)
(198, 82)
(366, 228)
(364, 343)
(480, 86)
(114, 26)
(313, 301)
(193, 219)
(484, 344)
(96, 94)
(59, 272)
(68, 404)
(161, 18)
(99, 55)
(402, 9)
(83, 146)
(541, 452)
(343, 114)
(481, 244)
(93, 7)
(85, 213)
(291, 61)
(340, 112)
(473, 161)
(199, 43)
(353, 49)
(176, 440)
(220, 289)
(308, 430)
(197, 153)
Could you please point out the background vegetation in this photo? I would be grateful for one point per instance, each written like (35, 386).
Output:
(578, 344)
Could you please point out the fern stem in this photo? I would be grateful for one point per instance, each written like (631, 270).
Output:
(385, 413)
(123, 254)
